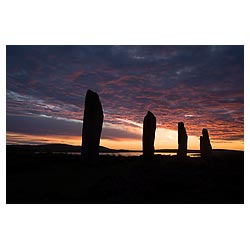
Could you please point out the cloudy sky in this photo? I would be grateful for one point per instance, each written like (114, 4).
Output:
(202, 86)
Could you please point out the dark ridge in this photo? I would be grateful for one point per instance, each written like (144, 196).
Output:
(70, 148)
(52, 148)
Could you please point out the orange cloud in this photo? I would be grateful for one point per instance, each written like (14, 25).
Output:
(17, 138)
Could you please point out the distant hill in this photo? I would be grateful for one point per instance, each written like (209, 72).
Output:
(52, 148)
(63, 148)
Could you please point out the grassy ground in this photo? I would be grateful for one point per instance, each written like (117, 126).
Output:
(50, 178)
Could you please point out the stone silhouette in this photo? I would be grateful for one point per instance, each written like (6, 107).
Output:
(205, 145)
(149, 127)
(92, 126)
(182, 140)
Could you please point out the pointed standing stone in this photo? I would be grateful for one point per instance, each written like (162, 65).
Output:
(149, 126)
(92, 126)
(205, 145)
(182, 140)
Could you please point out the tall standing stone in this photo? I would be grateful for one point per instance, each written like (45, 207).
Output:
(149, 127)
(205, 145)
(182, 140)
(92, 126)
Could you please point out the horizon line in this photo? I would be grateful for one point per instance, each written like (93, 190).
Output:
(121, 149)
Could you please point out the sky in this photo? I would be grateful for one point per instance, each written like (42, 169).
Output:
(202, 86)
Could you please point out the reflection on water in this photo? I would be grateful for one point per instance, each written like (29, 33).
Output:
(134, 153)
(140, 153)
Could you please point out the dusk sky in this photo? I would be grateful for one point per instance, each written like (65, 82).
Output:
(202, 86)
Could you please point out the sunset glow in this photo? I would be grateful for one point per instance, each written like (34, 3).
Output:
(202, 86)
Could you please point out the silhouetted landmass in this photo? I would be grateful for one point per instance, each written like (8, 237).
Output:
(182, 140)
(148, 137)
(92, 126)
(51, 148)
(66, 148)
(65, 178)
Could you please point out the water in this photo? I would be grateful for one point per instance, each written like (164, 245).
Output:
(140, 153)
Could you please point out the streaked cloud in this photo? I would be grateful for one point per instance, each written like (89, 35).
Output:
(203, 86)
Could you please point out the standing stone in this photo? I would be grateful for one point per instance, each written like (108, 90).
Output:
(182, 140)
(149, 126)
(205, 145)
(92, 126)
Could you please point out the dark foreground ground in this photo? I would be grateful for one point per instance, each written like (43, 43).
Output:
(60, 178)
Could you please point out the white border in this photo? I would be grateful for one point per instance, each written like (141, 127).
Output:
(123, 226)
